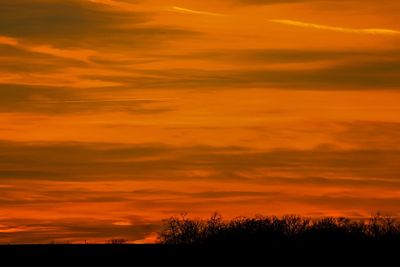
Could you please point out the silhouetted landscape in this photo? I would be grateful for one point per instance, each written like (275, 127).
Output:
(278, 231)
(287, 239)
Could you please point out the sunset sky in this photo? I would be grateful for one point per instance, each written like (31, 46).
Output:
(116, 114)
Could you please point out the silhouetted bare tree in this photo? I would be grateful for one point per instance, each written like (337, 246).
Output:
(274, 230)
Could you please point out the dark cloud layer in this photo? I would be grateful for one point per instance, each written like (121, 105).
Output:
(330, 2)
(83, 161)
(79, 23)
(371, 134)
(368, 73)
(58, 100)
(16, 60)
(273, 56)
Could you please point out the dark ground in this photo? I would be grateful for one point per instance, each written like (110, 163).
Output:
(137, 255)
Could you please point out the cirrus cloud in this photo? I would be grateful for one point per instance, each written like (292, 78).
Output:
(301, 24)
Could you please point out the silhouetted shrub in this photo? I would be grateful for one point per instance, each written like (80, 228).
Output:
(274, 230)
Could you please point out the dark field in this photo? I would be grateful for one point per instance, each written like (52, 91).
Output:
(114, 255)
(263, 240)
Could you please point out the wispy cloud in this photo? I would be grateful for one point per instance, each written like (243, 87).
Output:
(191, 11)
(4, 40)
(116, 4)
(106, 100)
(336, 29)
(77, 54)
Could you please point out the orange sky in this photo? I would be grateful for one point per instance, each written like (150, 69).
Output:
(115, 114)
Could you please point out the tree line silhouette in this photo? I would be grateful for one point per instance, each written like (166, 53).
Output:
(274, 231)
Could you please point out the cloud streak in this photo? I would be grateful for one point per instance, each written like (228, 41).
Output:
(373, 31)
(76, 54)
(191, 11)
(270, 2)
